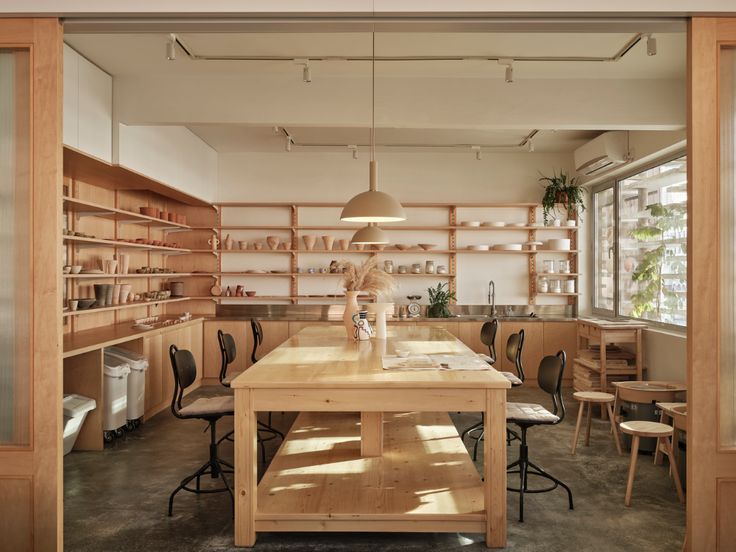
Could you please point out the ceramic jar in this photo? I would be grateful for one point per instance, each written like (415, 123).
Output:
(429, 267)
(177, 289)
(543, 285)
(123, 263)
(213, 242)
(403, 269)
(125, 293)
(344, 244)
(243, 244)
(569, 286)
(273, 241)
(228, 242)
(416, 268)
(388, 267)
(116, 294)
(556, 286)
(549, 266)
(563, 267)
(328, 241)
(442, 269)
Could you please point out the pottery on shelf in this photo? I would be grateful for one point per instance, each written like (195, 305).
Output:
(273, 241)
(177, 289)
(359, 246)
(402, 246)
(123, 263)
(284, 246)
(228, 242)
(73, 304)
(239, 290)
(163, 215)
(109, 289)
(309, 241)
(109, 266)
(344, 244)
(257, 245)
(427, 246)
(216, 290)
(250, 293)
(213, 242)
(149, 212)
(379, 246)
(328, 241)
(75, 269)
(351, 308)
(243, 244)
(116, 294)
(125, 293)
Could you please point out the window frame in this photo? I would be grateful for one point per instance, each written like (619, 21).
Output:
(615, 184)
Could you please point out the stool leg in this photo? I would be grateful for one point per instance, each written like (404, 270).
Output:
(658, 457)
(613, 428)
(675, 473)
(577, 426)
(587, 430)
(615, 408)
(632, 469)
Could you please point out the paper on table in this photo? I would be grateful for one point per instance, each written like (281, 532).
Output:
(433, 362)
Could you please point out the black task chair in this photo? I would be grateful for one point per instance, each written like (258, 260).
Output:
(257, 329)
(208, 409)
(488, 338)
(526, 415)
(514, 350)
(228, 353)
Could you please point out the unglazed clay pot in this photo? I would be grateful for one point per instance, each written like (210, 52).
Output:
(116, 294)
(110, 266)
(284, 246)
(273, 241)
(149, 212)
(309, 241)
(344, 244)
(125, 293)
(228, 242)
(329, 240)
(257, 245)
(243, 244)
(123, 263)
(163, 215)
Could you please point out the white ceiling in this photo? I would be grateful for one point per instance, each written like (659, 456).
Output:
(144, 55)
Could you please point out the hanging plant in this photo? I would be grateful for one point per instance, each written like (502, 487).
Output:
(439, 301)
(562, 193)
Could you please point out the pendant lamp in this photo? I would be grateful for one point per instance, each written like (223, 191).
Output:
(373, 206)
(370, 235)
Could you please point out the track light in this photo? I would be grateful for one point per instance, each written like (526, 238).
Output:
(354, 149)
(529, 145)
(651, 45)
(478, 152)
(171, 48)
(289, 142)
(509, 63)
(307, 74)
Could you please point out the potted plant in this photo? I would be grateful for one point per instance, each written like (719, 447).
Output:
(364, 278)
(564, 191)
(439, 301)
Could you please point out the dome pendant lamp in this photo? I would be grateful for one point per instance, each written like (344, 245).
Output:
(370, 235)
(373, 206)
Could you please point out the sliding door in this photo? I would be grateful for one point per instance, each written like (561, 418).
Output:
(711, 298)
(30, 300)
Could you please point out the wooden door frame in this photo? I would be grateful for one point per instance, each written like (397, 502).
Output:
(714, 466)
(40, 464)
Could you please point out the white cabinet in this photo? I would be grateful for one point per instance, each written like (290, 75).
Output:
(87, 106)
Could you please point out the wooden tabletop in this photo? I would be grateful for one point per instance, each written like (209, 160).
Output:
(322, 356)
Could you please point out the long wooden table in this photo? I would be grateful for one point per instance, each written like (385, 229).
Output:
(406, 470)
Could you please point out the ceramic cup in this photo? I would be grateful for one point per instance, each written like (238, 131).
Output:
(73, 304)
(243, 244)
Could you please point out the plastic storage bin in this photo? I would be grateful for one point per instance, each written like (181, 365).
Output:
(136, 406)
(115, 403)
(75, 411)
(640, 411)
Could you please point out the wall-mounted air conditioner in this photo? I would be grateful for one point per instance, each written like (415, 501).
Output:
(603, 153)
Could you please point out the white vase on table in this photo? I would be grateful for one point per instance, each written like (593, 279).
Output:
(381, 310)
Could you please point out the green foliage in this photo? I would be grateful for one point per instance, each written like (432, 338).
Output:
(652, 294)
(439, 301)
(562, 191)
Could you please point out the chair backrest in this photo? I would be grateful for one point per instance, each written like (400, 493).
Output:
(549, 379)
(185, 372)
(257, 330)
(514, 349)
(228, 352)
(488, 337)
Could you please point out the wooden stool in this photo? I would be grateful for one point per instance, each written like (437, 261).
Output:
(590, 398)
(663, 433)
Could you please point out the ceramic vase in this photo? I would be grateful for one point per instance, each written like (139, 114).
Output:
(344, 244)
(125, 290)
(381, 310)
(116, 294)
(214, 242)
(328, 240)
(109, 266)
(109, 288)
(257, 245)
(123, 263)
(309, 242)
(273, 241)
(228, 241)
(243, 244)
(99, 295)
(351, 308)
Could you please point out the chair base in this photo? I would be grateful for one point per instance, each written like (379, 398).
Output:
(511, 435)
(527, 468)
(215, 467)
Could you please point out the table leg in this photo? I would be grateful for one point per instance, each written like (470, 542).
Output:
(587, 427)
(371, 433)
(494, 468)
(246, 466)
(658, 456)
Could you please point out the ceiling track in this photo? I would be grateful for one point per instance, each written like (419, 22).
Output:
(471, 147)
(620, 53)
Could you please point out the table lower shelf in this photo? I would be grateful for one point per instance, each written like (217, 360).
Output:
(425, 480)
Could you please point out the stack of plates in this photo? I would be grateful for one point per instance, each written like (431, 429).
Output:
(495, 224)
(473, 223)
(518, 224)
(479, 247)
(507, 247)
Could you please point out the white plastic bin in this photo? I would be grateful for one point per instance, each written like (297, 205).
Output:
(75, 412)
(115, 388)
(136, 380)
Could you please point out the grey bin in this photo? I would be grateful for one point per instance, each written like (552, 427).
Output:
(136, 384)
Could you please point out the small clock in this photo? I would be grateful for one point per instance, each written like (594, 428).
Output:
(414, 309)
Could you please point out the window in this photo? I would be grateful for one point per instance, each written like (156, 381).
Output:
(649, 260)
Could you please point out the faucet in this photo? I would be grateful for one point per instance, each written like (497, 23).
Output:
(492, 296)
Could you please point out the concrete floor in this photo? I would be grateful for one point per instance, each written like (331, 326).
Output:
(116, 500)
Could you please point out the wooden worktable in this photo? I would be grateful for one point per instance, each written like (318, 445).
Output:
(338, 471)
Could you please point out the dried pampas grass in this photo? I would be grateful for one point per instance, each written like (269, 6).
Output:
(366, 277)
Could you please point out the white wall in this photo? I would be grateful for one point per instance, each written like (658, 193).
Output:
(426, 177)
(665, 355)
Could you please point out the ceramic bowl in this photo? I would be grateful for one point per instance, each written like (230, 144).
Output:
(76, 269)
(402, 246)
(427, 246)
(67, 269)
(250, 293)
(149, 212)
(85, 303)
(472, 223)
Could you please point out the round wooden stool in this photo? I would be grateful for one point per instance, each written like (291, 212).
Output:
(590, 398)
(663, 433)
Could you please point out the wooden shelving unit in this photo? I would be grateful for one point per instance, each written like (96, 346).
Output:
(451, 227)
(149, 303)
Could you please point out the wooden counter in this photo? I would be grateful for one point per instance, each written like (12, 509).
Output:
(319, 370)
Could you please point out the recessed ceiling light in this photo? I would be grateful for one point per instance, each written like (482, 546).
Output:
(651, 45)
(171, 48)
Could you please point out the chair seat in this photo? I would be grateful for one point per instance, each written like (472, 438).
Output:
(529, 413)
(593, 396)
(645, 429)
(209, 406)
(513, 378)
(488, 359)
(230, 377)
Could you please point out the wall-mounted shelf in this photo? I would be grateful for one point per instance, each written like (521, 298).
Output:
(130, 305)
(79, 241)
(81, 208)
(135, 275)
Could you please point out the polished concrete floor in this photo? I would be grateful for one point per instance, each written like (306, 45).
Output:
(116, 500)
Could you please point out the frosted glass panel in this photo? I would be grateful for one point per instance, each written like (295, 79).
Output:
(15, 367)
(727, 114)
